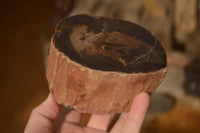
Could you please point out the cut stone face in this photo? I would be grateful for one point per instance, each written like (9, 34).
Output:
(98, 64)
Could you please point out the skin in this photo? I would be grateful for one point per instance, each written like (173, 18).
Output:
(49, 117)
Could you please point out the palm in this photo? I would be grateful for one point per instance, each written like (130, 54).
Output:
(70, 127)
(70, 121)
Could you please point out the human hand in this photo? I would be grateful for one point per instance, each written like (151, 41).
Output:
(44, 119)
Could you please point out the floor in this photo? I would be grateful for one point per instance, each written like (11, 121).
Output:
(22, 73)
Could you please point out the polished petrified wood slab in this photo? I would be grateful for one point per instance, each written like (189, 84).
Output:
(98, 65)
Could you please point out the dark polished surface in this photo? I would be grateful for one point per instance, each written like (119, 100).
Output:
(109, 44)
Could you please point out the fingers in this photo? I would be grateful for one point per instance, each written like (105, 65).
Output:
(70, 116)
(42, 117)
(137, 113)
(67, 116)
(100, 122)
(117, 128)
(131, 122)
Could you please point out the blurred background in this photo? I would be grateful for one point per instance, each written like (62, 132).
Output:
(26, 29)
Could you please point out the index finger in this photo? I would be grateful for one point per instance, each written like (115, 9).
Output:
(43, 116)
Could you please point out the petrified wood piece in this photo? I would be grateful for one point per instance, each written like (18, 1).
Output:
(98, 65)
